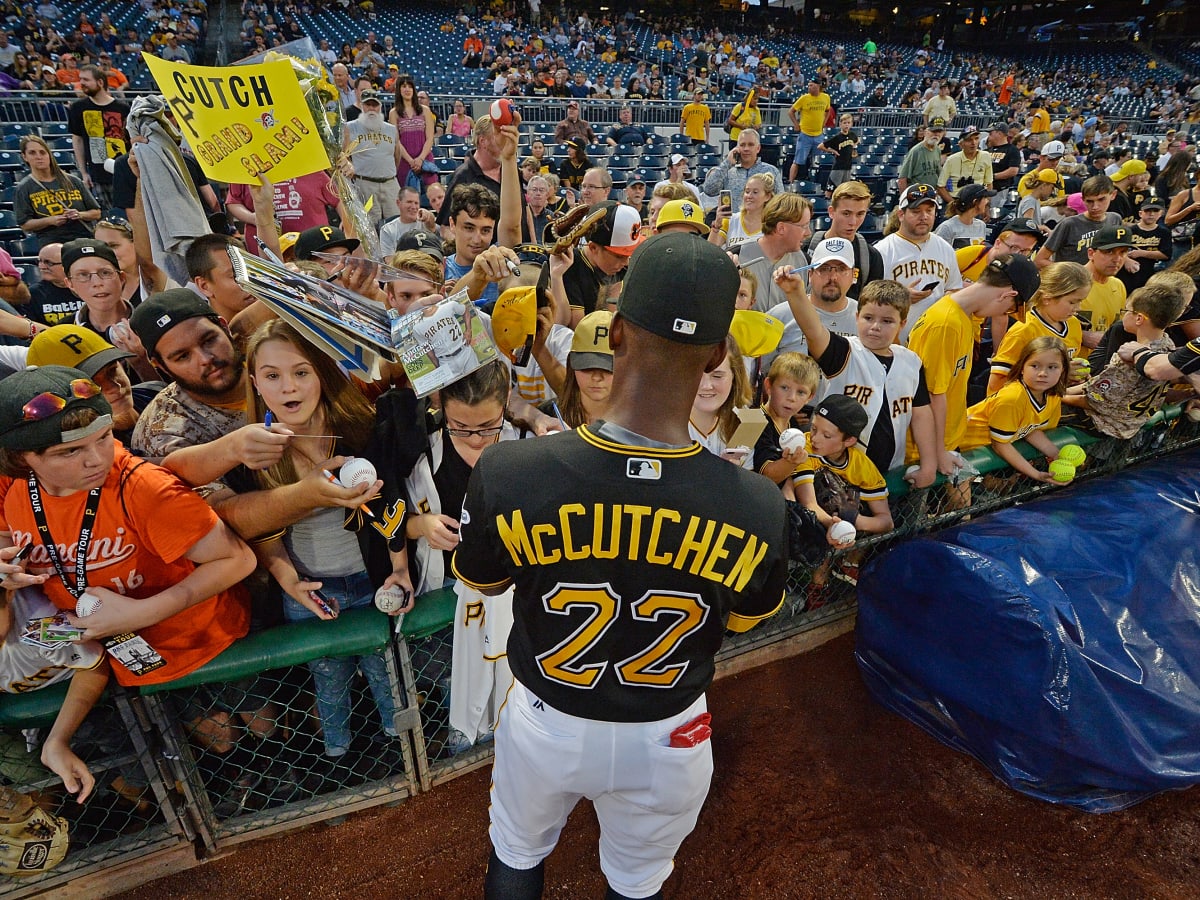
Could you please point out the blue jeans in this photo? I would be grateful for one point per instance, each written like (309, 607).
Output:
(332, 677)
(806, 147)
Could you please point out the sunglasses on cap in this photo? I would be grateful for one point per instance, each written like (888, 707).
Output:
(120, 223)
(47, 404)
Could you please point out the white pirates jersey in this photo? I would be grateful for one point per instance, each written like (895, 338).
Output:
(480, 676)
(24, 667)
(865, 378)
(916, 265)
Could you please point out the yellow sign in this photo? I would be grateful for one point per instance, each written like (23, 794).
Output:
(242, 120)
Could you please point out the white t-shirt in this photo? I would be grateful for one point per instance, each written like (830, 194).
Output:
(916, 265)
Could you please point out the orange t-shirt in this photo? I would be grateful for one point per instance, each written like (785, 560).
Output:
(137, 555)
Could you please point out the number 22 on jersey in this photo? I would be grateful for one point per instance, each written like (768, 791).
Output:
(681, 613)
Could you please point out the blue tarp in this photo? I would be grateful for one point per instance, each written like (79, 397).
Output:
(1058, 642)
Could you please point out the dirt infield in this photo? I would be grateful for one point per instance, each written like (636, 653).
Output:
(818, 792)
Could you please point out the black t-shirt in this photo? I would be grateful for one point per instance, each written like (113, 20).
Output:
(583, 283)
(451, 482)
(843, 145)
(103, 131)
(1005, 157)
(124, 185)
(52, 305)
(1158, 238)
(571, 173)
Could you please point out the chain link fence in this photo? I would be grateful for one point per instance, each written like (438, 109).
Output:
(237, 750)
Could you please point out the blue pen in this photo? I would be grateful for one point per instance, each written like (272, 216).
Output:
(558, 415)
(268, 419)
(799, 269)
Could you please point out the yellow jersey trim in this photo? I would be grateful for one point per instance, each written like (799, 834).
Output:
(740, 624)
(629, 450)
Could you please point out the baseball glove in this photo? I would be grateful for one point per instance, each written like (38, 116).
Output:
(31, 840)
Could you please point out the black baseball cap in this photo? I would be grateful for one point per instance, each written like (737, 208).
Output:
(1022, 274)
(34, 401)
(844, 413)
(1152, 203)
(916, 194)
(680, 288)
(1111, 237)
(86, 248)
(424, 241)
(937, 123)
(323, 237)
(973, 193)
(1022, 226)
(163, 311)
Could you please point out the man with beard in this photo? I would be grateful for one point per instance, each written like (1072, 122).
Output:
(370, 142)
(97, 125)
(918, 258)
(206, 404)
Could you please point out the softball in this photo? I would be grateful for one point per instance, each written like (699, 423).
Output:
(390, 599)
(791, 439)
(843, 532)
(1073, 454)
(502, 112)
(357, 471)
(86, 605)
(1062, 471)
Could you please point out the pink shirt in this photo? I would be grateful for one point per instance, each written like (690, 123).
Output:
(299, 204)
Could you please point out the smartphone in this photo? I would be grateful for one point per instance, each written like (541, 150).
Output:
(725, 198)
(323, 603)
(930, 285)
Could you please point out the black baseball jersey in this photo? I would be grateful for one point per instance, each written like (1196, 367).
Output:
(629, 563)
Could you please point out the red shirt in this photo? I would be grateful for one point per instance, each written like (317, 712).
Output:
(137, 555)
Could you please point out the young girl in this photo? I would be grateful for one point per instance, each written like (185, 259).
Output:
(966, 216)
(589, 372)
(1028, 404)
(1051, 314)
(319, 564)
(712, 421)
(791, 382)
(747, 289)
(473, 417)
(747, 224)
(460, 123)
(572, 169)
(50, 203)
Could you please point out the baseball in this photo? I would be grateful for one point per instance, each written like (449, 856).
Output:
(390, 599)
(1062, 471)
(502, 112)
(1073, 454)
(86, 605)
(843, 532)
(357, 471)
(791, 439)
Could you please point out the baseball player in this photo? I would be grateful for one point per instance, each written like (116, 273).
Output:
(624, 584)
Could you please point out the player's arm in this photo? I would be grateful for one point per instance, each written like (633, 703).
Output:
(87, 685)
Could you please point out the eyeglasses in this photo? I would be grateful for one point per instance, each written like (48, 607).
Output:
(1011, 249)
(47, 404)
(491, 431)
(47, 264)
(89, 277)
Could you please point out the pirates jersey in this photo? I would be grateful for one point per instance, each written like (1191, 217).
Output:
(626, 576)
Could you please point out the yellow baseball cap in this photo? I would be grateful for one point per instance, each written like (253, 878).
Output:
(755, 332)
(287, 242)
(74, 347)
(514, 319)
(589, 347)
(686, 212)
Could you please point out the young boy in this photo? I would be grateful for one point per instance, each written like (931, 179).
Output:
(843, 144)
(944, 338)
(791, 382)
(885, 378)
(1118, 399)
(1072, 236)
(837, 481)
(1151, 245)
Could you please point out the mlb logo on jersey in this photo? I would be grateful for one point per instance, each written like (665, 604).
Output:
(645, 469)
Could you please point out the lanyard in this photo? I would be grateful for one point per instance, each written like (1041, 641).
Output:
(85, 536)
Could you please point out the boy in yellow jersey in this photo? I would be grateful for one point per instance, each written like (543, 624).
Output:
(1106, 256)
(944, 338)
